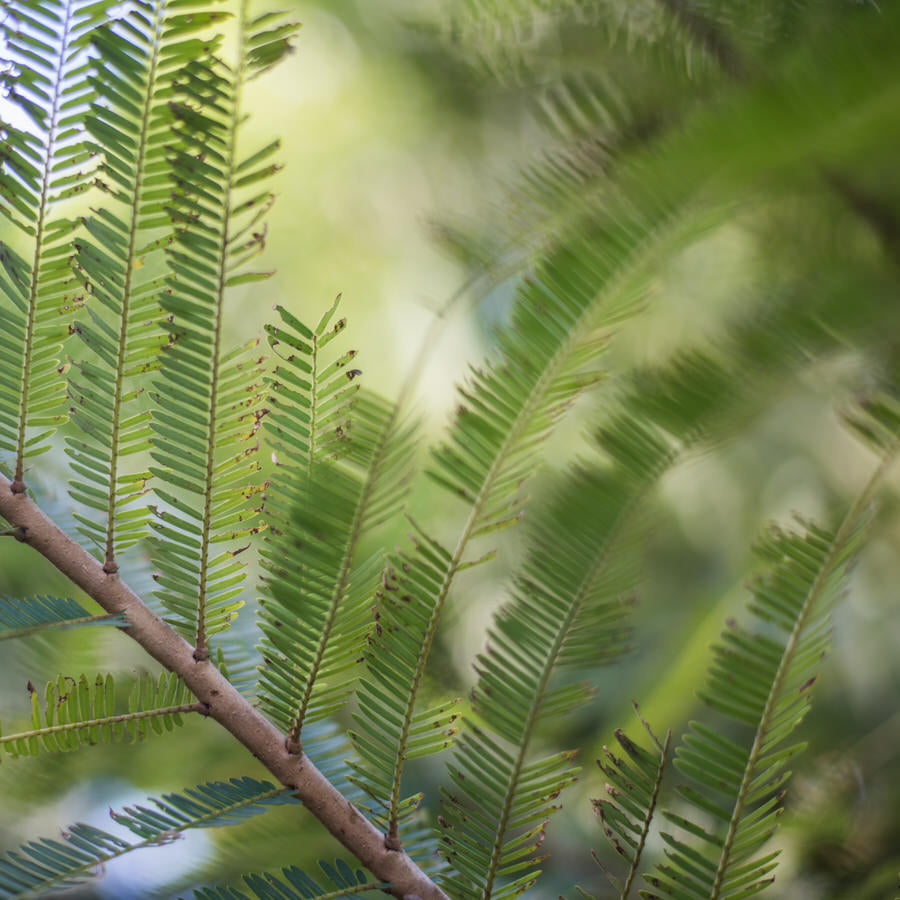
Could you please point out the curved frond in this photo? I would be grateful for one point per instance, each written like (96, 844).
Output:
(40, 166)
(82, 851)
(295, 884)
(342, 472)
(32, 615)
(208, 397)
(761, 678)
(140, 59)
(83, 712)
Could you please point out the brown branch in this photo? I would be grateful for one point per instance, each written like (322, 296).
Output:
(221, 700)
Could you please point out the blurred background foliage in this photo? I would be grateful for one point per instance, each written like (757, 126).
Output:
(435, 150)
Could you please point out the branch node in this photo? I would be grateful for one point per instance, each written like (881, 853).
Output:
(201, 654)
(392, 842)
(293, 745)
(17, 486)
(110, 566)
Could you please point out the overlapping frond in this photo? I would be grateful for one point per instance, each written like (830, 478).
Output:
(761, 678)
(83, 712)
(32, 615)
(633, 791)
(342, 471)
(295, 884)
(41, 164)
(82, 851)
(568, 600)
(393, 728)
(568, 607)
(208, 397)
(140, 60)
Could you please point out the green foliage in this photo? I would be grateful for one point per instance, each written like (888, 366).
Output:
(31, 615)
(42, 165)
(295, 883)
(143, 110)
(632, 791)
(52, 864)
(79, 712)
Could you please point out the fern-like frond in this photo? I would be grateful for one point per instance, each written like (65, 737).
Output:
(309, 399)
(761, 678)
(40, 166)
(295, 884)
(342, 472)
(568, 607)
(83, 712)
(633, 791)
(208, 397)
(392, 729)
(32, 615)
(46, 864)
(140, 59)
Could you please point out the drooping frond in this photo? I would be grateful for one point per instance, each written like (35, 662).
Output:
(140, 60)
(633, 789)
(83, 712)
(568, 606)
(41, 164)
(208, 412)
(568, 596)
(83, 850)
(761, 678)
(32, 615)
(342, 471)
(295, 884)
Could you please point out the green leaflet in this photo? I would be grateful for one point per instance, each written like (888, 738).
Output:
(82, 851)
(208, 397)
(32, 615)
(295, 883)
(632, 791)
(344, 463)
(761, 677)
(139, 60)
(83, 712)
(39, 168)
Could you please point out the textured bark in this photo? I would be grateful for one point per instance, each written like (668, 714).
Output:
(220, 699)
